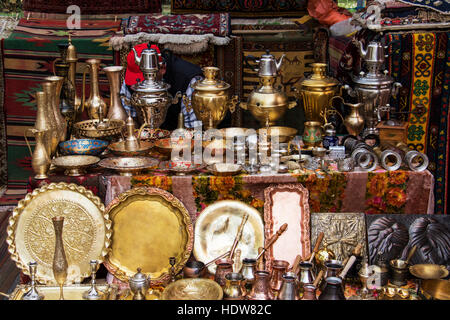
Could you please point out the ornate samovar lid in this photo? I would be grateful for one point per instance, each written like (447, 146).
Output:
(210, 83)
(319, 78)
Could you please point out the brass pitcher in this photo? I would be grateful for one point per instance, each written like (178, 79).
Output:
(60, 265)
(316, 92)
(55, 101)
(50, 116)
(95, 103)
(234, 287)
(210, 99)
(40, 161)
(116, 110)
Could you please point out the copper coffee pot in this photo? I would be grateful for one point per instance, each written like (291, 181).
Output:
(261, 287)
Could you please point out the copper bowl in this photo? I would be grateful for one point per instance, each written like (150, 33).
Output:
(428, 271)
(194, 269)
(437, 289)
(118, 149)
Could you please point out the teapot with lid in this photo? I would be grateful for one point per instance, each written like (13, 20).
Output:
(268, 65)
(139, 284)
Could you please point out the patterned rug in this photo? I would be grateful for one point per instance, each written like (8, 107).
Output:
(3, 159)
(440, 6)
(241, 7)
(27, 58)
(421, 63)
(94, 7)
(217, 24)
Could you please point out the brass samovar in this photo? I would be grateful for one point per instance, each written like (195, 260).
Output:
(210, 99)
(151, 98)
(316, 92)
(266, 103)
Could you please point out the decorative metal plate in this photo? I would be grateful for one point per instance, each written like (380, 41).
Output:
(193, 289)
(216, 229)
(150, 226)
(342, 232)
(86, 233)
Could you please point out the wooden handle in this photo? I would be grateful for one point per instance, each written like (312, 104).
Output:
(260, 261)
(276, 236)
(318, 278)
(317, 246)
(295, 266)
(219, 257)
(347, 267)
(358, 250)
(411, 253)
(238, 235)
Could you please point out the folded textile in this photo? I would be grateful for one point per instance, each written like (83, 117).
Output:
(216, 23)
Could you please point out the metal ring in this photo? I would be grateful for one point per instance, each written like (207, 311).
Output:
(411, 155)
(385, 155)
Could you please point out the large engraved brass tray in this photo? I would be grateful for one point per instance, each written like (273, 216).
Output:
(216, 229)
(86, 233)
(150, 225)
(72, 292)
(193, 289)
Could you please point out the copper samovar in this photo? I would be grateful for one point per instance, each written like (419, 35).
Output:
(266, 103)
(210, 99)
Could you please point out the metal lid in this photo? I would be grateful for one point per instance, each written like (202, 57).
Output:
(151, 86)
(139, 276)
(210, 83)
(319, 78)
(373, 79)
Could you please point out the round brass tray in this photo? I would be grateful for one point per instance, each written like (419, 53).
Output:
(216, 229)
(128, 166)
(86, 233)
(150, 226)
(75, 165)
(193, 289)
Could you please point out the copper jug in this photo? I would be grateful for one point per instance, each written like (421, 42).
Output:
(116, 110)
(57, 84)
(289, 290)
(224, 266)
(261, 287)
(279, 268)
(40, 161)
(95, 103)
(234, 286)
(309, 292)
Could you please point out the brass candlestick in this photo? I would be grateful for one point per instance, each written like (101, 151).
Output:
(93, 293)
(33, 293)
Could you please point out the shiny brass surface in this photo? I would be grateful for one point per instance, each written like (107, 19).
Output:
(284, 134)
(40, 160)
(90, 129)
(316, 92)
(193, 289)
(128, 166)
(60, 265)
(143, 219)
(87, 230)
(429, 271)
(312, 134)
(116, 110)
(438, 289)
(216, 227)
(119, 149)
(234, 287)
(210, 99)
(94, 103)
(323, 255)
(354, 121)
(266, 103)
(72, 60)
(71, 292)
(48, 88)
(42, 122)
(55, 97)
(75, 165)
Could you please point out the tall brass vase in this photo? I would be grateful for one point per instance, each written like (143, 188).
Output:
(41, 123)
(55, 99)
(95, 101)
(59, 258)
(116, 110)
(50, 117)
(40, 161)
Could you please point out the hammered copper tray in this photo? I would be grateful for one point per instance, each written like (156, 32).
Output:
(193, 289)
(150, 226)
(216, 228)
(86, 233)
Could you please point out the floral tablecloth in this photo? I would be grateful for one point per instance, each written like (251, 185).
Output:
(376, 192)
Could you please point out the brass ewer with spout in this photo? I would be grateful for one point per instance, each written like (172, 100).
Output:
(210, 99)
(151, 98)
(267, 103)
(94, 104)
(316, 92)
(40, 161)
(116, 109)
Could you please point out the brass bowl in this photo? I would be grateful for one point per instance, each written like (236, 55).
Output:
(224, 169)
(127, 166)
(118, 149)
(437, 289)
(75, 165)
(428, 271)
(88, 129)
(165, 146)
(285, 134)
(193, 289)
